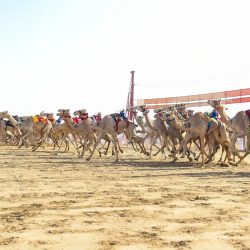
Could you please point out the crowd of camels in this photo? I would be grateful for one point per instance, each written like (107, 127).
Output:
(175, 132)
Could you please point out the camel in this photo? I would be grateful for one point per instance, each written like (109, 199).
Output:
(55, 134)
(112, 125)
(66, 129)
(86, 128)
(39, 127)
(140, 141)
(197, 126)
(13, 122)
(178, 126)
(239, 124)
(90, 126)
(158, 129)
(151, 131)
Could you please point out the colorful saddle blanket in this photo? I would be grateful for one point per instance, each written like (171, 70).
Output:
(75, 120)
(117, 119)
(38, 118)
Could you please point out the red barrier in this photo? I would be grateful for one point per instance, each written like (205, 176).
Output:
(239, 96)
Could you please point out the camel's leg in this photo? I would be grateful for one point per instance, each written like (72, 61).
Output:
(66, 145)
(74, 145)
(164, 144)
(134, 146)
(191, 152)
(41, 141)
(221, 156)
(22, 139)
(159, 149)
(106, 150)
(202, 139)
(114, 139)
(120, 149)
(174, 150)
(60, 145)
(95, 145)
(150, 147)
(183, 144)
(143, 144)
(85, 145)
(243, 157)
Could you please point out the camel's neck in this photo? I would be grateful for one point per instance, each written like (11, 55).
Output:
(159, 124)
(148, 122)
(69, 123)
(15, 124)
(224, 116)
(141, 124)
(12, 120)
(178, 124)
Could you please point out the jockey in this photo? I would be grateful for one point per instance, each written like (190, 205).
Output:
(214, 114)
(213, 117)
(123, 115)
(59, 120)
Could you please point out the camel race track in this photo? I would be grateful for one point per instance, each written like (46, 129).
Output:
(63, 202)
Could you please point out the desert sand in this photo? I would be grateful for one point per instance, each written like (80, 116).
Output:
(62, 202)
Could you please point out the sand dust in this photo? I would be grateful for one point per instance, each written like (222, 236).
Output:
(62, 202)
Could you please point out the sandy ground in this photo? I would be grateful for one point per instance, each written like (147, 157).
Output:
(61, 202)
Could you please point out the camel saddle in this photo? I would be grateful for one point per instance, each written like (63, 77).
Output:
(75, 120)
(38, 118)
(117, 119)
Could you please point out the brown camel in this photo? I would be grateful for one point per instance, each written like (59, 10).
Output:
(39, 127)
(197, 126)
(112, 125)
(68, 129)
(14, 123)
(239, 124)
(159, 130)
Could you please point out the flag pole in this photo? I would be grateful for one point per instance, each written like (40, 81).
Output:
(130, 103)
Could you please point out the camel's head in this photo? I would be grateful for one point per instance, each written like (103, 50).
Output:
(180, 107)
(159, 113)
(133, 110)
(190, 112)
(163, 114)
(49, 115)
(79, 112)
(140, 108)
(170, 108)
(63, 112)
(130, 109)
(214, 103)
(143, 109)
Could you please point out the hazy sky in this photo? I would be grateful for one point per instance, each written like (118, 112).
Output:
(74, 54)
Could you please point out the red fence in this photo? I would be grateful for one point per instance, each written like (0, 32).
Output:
(228, 97)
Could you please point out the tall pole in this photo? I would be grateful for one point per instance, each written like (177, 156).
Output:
(131, 98)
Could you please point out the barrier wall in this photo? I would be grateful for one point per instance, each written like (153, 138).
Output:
(228, 97)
